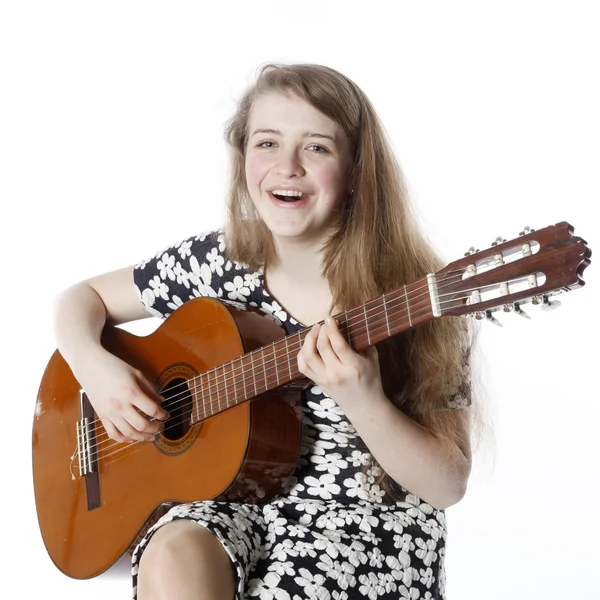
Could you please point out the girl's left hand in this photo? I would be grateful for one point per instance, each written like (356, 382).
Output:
(348, 377)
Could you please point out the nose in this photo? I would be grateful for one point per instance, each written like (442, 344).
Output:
(289, 164)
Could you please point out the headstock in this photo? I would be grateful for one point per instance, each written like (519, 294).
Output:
(533, 267)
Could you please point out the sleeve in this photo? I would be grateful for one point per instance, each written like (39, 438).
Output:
(196, 267)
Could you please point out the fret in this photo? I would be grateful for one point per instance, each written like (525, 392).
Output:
(194, 381)
(225, 387)
(275, 363)
(203, 400)
(407, 306)
(287, 354)
(244, 380)
(253, 375)
(367, 323)
(264, 369)
(385, 312)
(209, 395)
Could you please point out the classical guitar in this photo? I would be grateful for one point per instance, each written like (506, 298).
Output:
(230, 382)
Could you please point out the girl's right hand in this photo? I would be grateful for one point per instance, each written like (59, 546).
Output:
(122, 397)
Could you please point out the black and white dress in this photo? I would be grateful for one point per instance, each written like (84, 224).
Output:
(333, 533)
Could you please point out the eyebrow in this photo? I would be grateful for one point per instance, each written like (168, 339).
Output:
(306, 134)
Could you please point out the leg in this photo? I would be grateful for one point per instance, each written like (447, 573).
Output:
(185, 561)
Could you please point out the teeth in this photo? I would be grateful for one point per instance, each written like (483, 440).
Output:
(292, 193)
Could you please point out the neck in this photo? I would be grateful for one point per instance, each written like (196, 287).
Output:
(300, 259)
(274, 365)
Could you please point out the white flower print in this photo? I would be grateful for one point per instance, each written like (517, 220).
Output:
(323, 487)
(353, 552)
(327, 409)
(312, 584)
(184, 249)
(165, 266)
(177, 302)
(181, 275)
(357, 487)
(404, 542)
(375, 585)
(306, 550)
(283, 549)
(426, 551)
(221, 240)
(251, 280)
(286, 568)
(236, 290)
(216, 262)
(331, 521)
(427, 577)
(142, 264)
(332, 463)
(342, 572)
(274, 309)
(159, 288)
(358, 458)
(201, 277)
(409, 593)
(267, 588)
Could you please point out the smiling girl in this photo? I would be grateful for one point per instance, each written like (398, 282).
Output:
(319, 222)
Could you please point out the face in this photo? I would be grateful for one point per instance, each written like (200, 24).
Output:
(297, 167)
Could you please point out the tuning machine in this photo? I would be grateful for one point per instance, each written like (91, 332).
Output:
(515, 307)
(499, 240)
(487, 315)
(471, 250)
(526, 230)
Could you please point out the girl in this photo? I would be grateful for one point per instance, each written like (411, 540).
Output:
(318, 222)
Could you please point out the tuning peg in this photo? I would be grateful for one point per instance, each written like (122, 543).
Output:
(526, 230)
(498, 240)
(548, 304)
(519, 311)
(489, 316)
(471, 250)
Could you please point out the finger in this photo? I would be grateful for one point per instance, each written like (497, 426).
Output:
(151, 403)
(128, 431)
(113, 432)
(309, 350)
(140, 422)
(338, 342)
(326, 351)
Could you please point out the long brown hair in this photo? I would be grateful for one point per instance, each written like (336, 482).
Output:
(376, 245)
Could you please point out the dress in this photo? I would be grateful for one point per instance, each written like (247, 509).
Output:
(333, 533)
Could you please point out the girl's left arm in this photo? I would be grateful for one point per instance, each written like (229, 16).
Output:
(410, 454)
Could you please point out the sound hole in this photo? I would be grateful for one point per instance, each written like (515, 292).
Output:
(178, 401)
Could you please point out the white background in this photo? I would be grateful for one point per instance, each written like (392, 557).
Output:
(111, 147)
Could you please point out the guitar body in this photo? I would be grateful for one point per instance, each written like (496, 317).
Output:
(246, 453)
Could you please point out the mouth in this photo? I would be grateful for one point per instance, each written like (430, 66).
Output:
(288, 196)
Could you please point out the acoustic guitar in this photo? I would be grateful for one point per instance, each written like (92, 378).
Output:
(230, 382)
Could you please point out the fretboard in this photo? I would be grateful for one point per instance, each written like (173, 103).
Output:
(275, 365)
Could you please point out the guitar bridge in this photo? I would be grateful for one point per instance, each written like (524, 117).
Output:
(86, 460)
(87, 451)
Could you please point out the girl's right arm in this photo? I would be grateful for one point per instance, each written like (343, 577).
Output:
(120, 394)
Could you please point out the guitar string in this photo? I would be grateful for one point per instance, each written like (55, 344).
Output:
(236, 372)
(220, 379)
(105, 456)
(351, 321)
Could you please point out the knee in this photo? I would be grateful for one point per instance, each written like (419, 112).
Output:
(181, 553)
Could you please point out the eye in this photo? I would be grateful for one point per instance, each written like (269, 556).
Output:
(318, 149)
(265, 144)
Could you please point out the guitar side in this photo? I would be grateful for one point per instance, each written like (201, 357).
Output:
(88, 520)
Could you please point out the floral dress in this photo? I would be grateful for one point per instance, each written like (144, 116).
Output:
(333, 532)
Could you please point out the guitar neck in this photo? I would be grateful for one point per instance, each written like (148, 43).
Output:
(275, 365)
